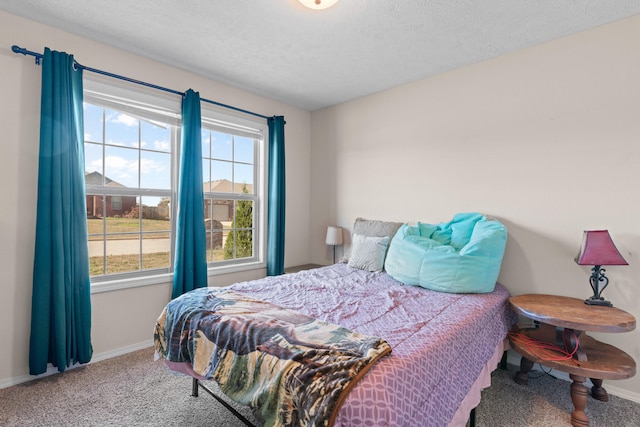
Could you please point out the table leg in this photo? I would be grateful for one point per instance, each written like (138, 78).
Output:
(579, 398)
(522, 376)
(597, 391)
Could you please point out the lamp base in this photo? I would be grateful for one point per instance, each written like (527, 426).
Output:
(598, 301)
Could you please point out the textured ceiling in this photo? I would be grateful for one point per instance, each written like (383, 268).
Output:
(314, 59)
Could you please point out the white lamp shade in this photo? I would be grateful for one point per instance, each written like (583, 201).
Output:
(334, 235)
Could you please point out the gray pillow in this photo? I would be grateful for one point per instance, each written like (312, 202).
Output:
(368, 253)
(374, 228)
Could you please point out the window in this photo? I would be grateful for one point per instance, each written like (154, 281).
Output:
(131, 172)
(128, 176)
(231, 169)
(116, 203)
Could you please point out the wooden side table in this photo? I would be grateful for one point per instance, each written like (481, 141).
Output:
(563, 322)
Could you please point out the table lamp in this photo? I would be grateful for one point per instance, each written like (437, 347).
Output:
(597, 249)
(334, 238)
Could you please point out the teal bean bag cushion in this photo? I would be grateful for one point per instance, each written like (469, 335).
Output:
(460, 256)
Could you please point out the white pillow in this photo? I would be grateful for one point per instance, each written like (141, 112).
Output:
(367, 253)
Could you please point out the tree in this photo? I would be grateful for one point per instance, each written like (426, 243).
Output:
(242, 230)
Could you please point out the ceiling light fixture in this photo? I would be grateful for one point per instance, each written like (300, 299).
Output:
(318, 4)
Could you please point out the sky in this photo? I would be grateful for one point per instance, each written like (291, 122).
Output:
(134, 145)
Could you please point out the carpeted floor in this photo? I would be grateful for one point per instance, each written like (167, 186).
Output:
(129, 390)
(133, 390)
(546, 402)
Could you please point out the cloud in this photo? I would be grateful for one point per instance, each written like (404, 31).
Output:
(122, 119)
(121, 169)
(150, 166)
(163, 145)
(116, 164)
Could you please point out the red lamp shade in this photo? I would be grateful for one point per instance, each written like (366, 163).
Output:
(598, 249)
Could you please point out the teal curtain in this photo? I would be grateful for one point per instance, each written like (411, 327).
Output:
(190, 270)
(61, 299)
(276, 198)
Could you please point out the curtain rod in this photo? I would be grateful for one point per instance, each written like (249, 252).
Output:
(39, 56)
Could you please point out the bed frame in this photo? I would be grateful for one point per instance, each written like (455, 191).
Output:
(196, 384)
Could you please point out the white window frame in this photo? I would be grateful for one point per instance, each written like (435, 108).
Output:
(214, 118)
(145, 104)
(115, 94)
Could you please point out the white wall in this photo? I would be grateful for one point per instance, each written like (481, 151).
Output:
(121, 319)
(546, 139)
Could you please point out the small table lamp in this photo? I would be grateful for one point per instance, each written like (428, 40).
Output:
(334, 237)
(597, 249)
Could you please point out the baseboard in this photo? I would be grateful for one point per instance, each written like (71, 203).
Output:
(120, 351)
(96, 358)
(513, 358)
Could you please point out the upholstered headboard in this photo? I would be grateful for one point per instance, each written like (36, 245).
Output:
(374, 228)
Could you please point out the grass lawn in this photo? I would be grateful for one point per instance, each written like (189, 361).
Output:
(126, 225)
(130, 263)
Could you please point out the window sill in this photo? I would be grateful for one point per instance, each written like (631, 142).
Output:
(133, 282)
(167, 278)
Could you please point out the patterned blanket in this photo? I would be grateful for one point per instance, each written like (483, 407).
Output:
(290, 368)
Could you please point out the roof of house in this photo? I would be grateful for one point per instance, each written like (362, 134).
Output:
(226, 186)
(95, 179)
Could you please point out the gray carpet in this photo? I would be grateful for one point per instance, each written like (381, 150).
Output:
(132, 390)
(545, 402)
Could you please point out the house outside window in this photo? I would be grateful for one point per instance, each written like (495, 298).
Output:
(132, 144)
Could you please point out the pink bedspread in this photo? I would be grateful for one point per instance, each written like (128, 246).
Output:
(440, 341)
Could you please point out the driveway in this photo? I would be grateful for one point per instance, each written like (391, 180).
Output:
(129, 247)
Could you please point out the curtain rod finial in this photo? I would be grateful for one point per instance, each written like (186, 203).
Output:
(25, 52)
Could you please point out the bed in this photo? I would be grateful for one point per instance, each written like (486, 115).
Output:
(444, 346)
